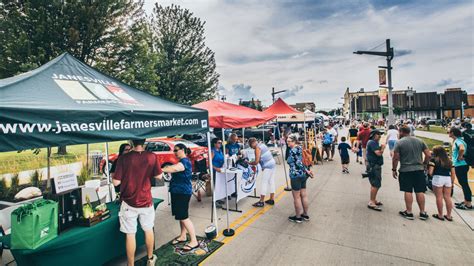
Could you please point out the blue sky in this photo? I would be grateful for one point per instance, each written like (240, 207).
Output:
(306, 46)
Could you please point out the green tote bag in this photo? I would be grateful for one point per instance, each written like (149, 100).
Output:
(34, 224)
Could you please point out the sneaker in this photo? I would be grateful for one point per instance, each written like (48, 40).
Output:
(360, 162)
(464, 207)
(407, 215)
(305, 217)
(295, 219)
(152, 261)
(423, 216)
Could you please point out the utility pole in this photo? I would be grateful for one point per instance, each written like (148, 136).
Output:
(275, 93)
(389, 56)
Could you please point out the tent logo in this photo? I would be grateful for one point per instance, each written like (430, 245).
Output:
(92, 91)
(203, 123)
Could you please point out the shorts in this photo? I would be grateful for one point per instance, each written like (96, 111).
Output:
(180, 206)
(412, 181)
(327, 146)
(129, 215)
(391, 144)
(441, 181)
(345, 160)
(298, 183)
(375, 175)
(352, 140)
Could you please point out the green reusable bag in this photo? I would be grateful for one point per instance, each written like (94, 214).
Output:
(34, 224)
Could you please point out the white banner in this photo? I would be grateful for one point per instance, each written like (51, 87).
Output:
(247, 181)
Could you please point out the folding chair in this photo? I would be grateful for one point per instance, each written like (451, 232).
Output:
(200, 178)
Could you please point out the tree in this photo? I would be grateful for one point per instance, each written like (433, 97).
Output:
(186, 66)
(32, 32)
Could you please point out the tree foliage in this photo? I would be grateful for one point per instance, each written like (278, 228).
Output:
(186, 66)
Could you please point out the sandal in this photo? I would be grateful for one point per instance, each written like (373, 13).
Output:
(375, 208)
(447, 218)
(258, 204)
(189, 248)
(437, 217)
(270, 202)
(378, 203)
(176, 241)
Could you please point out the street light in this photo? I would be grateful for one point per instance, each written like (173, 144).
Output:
(389, 56)
(275, 93)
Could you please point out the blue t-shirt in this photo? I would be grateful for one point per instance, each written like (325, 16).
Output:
(233, 148)
(457, 143)
(218, 160)
(344, 149)
(181, 181)
(373, 158)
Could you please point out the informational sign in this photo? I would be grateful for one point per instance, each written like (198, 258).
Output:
(65, 181)
(382, 77)
(247, 181)
(383, 95)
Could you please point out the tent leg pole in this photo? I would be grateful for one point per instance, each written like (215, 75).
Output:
(228, 231)
(283, 160)
(109, 181)
(211, 172)
(48, 169)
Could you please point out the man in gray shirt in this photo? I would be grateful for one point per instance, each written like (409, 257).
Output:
(409, 152)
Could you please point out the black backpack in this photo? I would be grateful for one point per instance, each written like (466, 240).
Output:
(468, 136)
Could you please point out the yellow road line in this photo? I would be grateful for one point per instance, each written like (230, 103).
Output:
(250, 213)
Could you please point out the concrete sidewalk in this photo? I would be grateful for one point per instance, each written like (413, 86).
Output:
(344, 231)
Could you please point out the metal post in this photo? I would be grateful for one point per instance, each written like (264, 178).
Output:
(211, 172)
(462, 110)
(304, 130)
(243, 137)
(390, 119)
(48, 170)
(109, 180)
(228, 231)
(355, 106)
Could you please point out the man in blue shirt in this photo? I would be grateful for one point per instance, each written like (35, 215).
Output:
(233, 147)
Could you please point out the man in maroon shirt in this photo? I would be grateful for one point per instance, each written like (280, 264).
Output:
(363, 137)
(133, 173)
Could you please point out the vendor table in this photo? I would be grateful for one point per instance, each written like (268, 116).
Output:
(89, 246)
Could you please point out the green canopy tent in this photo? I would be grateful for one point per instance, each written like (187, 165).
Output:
(67, 102)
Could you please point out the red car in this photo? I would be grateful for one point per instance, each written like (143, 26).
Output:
(163, 147)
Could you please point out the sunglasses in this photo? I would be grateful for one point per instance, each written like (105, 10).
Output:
(176, 150)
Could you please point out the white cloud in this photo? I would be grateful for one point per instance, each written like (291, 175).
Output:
(271, 44)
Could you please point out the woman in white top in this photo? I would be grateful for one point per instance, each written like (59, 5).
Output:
(392, 137)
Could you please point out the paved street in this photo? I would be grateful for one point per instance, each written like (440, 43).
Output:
(341, 231)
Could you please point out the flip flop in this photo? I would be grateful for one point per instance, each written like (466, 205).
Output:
(176, 241)
(437, 217)
(190, 248)
(447, 218)
(258, 204)
(375, 208)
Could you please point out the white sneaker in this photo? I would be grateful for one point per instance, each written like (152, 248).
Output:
(152, 261)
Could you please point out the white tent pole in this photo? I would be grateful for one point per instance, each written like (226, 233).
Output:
(243, 137)
(227, 231)
(263, 133)
(109, 181)
(304, 125)
(211, 172)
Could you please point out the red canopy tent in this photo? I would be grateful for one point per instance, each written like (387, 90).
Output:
(228, 115)
(281, 107)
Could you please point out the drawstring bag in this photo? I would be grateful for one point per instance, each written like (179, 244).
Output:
(34, 224)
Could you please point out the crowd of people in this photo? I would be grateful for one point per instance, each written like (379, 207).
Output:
(413, 163)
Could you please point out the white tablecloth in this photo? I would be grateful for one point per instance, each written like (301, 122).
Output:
(221, 181)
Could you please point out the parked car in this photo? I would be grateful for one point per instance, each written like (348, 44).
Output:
(198, 138)
(163, 147)
(266, 131)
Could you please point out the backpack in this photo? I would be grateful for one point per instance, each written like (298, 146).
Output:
(468, 137)
(327, 139)
(307, 157)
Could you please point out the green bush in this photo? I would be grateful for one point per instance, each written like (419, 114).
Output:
(36, 178)
(3, 188)
(84, 175)
(14, 186)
